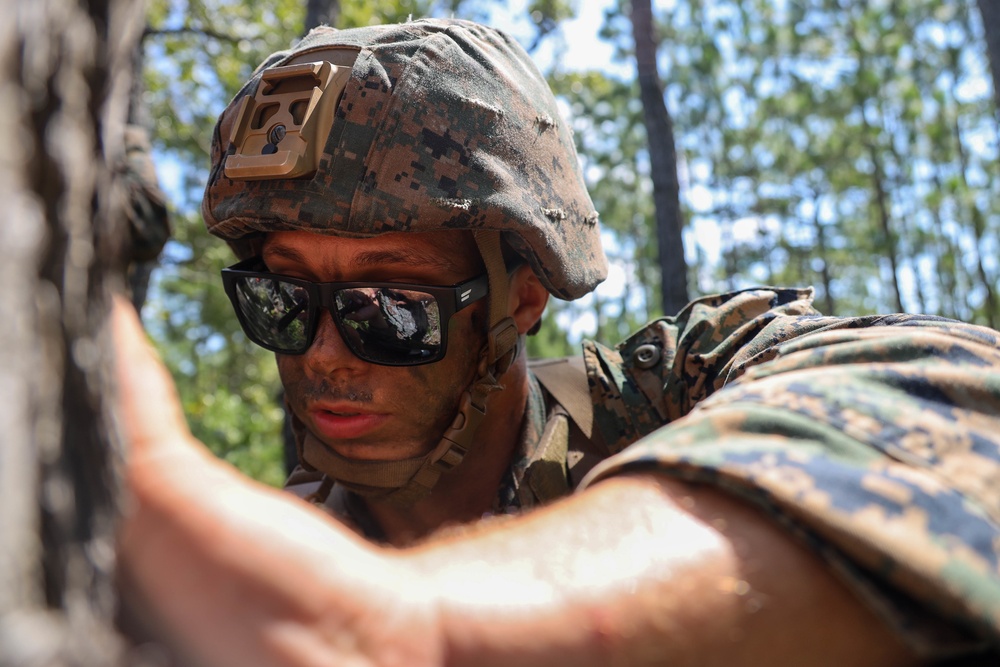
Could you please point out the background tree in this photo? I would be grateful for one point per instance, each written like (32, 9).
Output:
(662, 161)
(321, 12)
(849, 146)
(990, 12)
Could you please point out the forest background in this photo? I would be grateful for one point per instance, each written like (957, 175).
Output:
(852, 146)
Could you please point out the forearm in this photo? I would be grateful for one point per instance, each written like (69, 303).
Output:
(640, 571)
(633, 571)
(238, 574)
(229, 572)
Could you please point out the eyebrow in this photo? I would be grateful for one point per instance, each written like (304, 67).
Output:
(371, 258)
(408, 256)
(285, 252)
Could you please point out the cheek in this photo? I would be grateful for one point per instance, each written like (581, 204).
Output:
(443, 383)
(477, 319)
(289, 368)
(467, 340)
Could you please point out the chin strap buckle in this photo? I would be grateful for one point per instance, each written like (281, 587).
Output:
(502, 345)
(457, 439)
(450, 452)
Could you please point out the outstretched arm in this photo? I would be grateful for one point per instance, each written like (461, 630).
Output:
(636, 570)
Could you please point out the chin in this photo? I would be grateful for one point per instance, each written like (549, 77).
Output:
(378, 452)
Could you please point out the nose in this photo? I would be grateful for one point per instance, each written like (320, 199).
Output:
(329, 353)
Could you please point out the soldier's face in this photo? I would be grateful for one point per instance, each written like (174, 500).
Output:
(362, 410)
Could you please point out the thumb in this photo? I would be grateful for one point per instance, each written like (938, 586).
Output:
(148, 404)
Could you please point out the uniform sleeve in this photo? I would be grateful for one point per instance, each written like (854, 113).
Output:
(874, 440)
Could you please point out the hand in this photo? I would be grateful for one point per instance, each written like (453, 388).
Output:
(636, 570)
(229, 572)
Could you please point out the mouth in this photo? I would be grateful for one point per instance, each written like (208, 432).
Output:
(344, 422)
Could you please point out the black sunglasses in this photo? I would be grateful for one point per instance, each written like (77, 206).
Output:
(392, 324)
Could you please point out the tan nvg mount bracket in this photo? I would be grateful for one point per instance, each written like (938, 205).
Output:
(281, 131)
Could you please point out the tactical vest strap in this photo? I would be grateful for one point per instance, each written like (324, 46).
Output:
(566, 379)
(577, 450)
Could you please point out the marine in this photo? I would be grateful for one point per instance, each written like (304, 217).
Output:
(746, 482)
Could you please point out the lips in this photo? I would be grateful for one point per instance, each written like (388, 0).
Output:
(344, 422)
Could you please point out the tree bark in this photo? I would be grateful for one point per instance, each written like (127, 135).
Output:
(879, 192)
(990, 11)
(824, 255)
(885, 220)
(990, 306)
(662, 161)
(322, 12)
(64, 67)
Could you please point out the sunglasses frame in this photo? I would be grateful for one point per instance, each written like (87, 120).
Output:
(450, 299)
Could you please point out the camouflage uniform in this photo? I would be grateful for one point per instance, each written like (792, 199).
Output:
(873, 440)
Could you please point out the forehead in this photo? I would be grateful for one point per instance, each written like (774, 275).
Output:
(452, 251)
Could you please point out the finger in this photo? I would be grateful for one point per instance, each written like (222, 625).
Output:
(148, 404)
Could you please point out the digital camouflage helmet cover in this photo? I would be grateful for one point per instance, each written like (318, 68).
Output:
(425, 126)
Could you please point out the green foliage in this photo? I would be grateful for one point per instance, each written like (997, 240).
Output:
(606, 117)
(551, 340)
(227, 385)
(197, 55)
(852, 146)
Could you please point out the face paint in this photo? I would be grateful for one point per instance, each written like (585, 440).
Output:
(363, 410)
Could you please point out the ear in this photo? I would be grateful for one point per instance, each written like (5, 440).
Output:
(527, 298)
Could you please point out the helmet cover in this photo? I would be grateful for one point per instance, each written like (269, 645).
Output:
(442, 124)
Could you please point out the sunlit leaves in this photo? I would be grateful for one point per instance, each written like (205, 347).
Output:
(801, 118)
(198, 53)
(783, 112)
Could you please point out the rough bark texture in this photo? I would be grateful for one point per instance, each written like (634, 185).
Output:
(662, 161)
(62, 112)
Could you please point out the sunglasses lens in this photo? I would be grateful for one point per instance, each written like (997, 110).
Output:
(382, 325)
(274, 313)
(390, 326)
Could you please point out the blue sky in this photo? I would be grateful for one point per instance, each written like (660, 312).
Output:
(584, 50)
(577, 46)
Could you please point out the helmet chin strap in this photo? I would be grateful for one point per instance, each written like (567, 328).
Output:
(407, 481)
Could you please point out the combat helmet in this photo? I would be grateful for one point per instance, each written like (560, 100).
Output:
(429, 125)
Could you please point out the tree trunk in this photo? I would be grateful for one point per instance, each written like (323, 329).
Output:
(990, 11)
(979, 231)
(149, 219)
(61, 123)
(824, 255)
(662, 162)
(946, 262)
(885, 221)
(322, 12)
